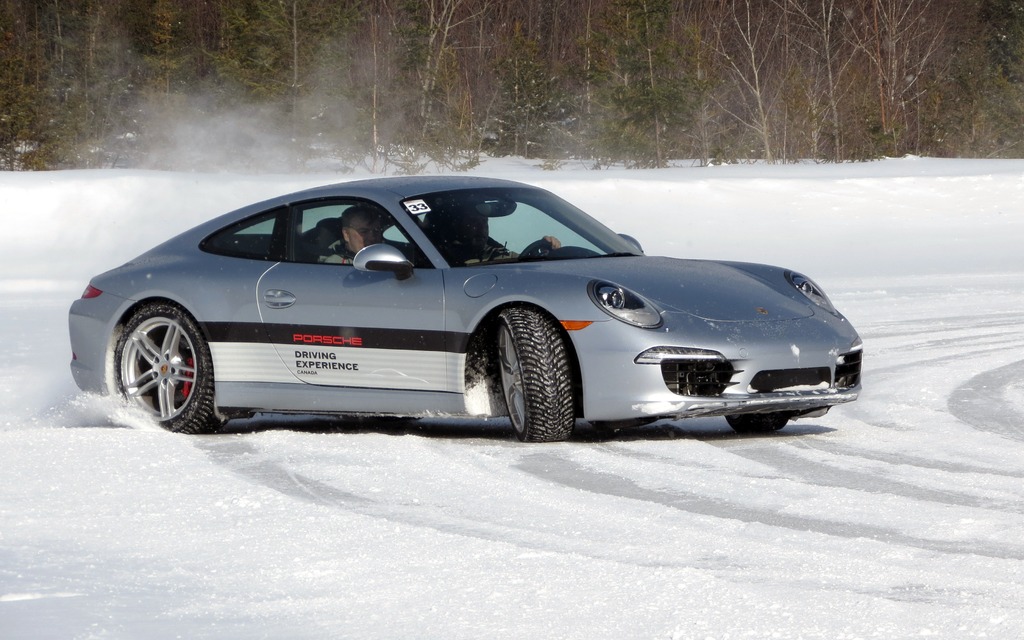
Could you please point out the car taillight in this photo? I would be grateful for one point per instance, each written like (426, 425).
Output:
(91, 292)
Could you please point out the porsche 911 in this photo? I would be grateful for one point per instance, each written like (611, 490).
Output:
(453, 296)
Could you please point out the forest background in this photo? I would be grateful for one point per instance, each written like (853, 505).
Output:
(395, 85)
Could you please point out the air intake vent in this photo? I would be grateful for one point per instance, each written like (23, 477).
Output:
(848, 369)
(690, 371)
(697, 378)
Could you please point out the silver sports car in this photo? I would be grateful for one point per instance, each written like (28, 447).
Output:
(455, 296)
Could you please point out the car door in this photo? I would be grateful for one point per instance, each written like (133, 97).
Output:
(336, 326)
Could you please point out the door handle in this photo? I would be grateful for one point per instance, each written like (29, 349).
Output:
(278, 298)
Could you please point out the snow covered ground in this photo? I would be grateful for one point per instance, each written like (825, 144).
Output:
(899, 516)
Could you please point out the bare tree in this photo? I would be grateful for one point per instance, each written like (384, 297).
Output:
(440, 21)
(751, 40)
(827, 59)
(903, 40)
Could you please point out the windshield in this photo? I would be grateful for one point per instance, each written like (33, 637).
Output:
(502, 225)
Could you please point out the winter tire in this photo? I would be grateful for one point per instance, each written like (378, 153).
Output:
(163, 365)
(536, 375)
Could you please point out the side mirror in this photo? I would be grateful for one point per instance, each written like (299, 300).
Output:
(383, 257)
(633, 241)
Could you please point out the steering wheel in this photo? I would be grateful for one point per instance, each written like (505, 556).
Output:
(537, 249)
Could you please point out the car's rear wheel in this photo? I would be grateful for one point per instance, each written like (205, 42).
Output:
(757, 422)
(536, 375)
(163, 365)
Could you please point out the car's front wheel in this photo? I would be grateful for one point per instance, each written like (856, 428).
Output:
(536, 375)
(163, 365)
(757, 422)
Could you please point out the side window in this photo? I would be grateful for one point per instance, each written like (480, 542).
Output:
(252, 238)
(333, 232)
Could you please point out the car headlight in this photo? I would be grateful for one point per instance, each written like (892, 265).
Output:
(622, 304)
(811, 291)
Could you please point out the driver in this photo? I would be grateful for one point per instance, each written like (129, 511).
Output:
(358, 227)
(361, 226)
(469, 240)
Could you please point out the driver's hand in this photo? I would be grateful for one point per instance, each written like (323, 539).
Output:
(553, 241)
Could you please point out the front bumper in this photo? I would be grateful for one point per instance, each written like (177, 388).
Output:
(620, 385)
(802, 403)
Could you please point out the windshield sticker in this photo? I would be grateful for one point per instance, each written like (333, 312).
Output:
(416, 207)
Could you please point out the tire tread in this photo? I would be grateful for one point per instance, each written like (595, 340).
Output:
(547, 376)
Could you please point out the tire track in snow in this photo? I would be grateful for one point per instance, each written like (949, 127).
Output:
(981, 402)
(778, 455)
(251, 463)
(259, 466)
(248, 461)
(822, 474)
(948, 343)
(577, 477)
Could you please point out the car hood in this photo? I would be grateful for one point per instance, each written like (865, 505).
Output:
(717, 291)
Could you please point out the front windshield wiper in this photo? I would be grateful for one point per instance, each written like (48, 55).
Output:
(538, 258)
(620, 254)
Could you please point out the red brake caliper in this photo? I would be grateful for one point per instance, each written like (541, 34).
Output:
(186, 388)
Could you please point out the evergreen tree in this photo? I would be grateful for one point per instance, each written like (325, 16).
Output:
(647, 96)
(1000, 92)
(1004, 22)
(273, 47)
(285, 56)
(23, 144)
(92, 80)
(164, 56)
(530, 101)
